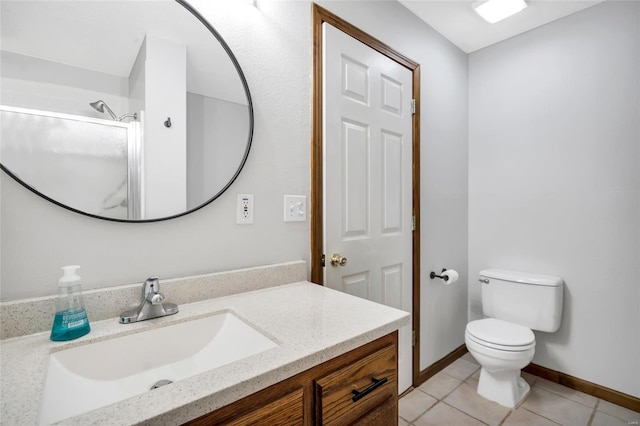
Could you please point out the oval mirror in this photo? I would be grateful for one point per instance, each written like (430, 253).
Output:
(130, 111)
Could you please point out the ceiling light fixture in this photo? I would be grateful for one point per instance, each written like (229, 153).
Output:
(493, 11)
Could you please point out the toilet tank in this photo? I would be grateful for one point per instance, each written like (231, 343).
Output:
(532, 300)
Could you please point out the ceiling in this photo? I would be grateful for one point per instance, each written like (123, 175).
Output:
(457, 21)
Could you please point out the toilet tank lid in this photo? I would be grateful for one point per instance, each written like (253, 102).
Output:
(522, 277)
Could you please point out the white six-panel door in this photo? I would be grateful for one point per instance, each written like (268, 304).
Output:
(367, 139)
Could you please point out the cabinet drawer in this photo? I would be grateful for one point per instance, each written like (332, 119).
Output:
(373, 377)
(285, 411)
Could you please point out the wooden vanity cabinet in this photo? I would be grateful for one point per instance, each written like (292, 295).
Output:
(359, 387)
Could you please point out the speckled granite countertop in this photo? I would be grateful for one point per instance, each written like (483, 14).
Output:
(310, 323)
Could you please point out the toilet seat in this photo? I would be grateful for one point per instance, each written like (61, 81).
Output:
(500, 335)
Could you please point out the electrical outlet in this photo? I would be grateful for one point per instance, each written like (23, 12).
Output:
(244, 209)
(295, 208)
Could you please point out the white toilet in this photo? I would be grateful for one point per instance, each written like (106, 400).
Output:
(503, 343)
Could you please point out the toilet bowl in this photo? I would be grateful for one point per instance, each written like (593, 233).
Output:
(502, 349)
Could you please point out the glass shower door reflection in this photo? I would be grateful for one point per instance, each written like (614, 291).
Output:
(77, 161)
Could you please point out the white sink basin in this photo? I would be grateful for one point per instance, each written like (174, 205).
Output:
(87, 377)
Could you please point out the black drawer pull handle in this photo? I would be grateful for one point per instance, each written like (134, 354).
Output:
(375, 384)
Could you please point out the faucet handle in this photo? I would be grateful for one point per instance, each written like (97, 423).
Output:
(151, 290)
(156, 299)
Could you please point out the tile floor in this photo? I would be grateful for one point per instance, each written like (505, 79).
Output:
(450, 398)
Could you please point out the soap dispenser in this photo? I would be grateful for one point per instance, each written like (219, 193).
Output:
(71, 320)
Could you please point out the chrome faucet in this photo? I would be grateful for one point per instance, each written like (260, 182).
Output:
(152, 305)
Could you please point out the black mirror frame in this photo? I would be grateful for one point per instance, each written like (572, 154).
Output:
(233, 59)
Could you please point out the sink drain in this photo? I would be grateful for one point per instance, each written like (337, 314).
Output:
(161, 383)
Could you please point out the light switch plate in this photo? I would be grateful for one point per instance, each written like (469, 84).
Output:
(295, 208)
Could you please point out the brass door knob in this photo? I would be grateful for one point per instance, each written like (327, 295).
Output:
(338, 260)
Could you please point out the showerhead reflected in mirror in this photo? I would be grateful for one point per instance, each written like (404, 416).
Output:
(101, 106)
(84, 117)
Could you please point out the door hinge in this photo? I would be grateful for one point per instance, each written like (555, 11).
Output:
(413, 338)
(413, 223)
(413, 106)
(322, 260)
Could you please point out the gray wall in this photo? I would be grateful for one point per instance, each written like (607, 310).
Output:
(553, 181)
(38, 237)
(273, 45)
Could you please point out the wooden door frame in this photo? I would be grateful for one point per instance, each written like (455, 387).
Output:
(320, 16)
